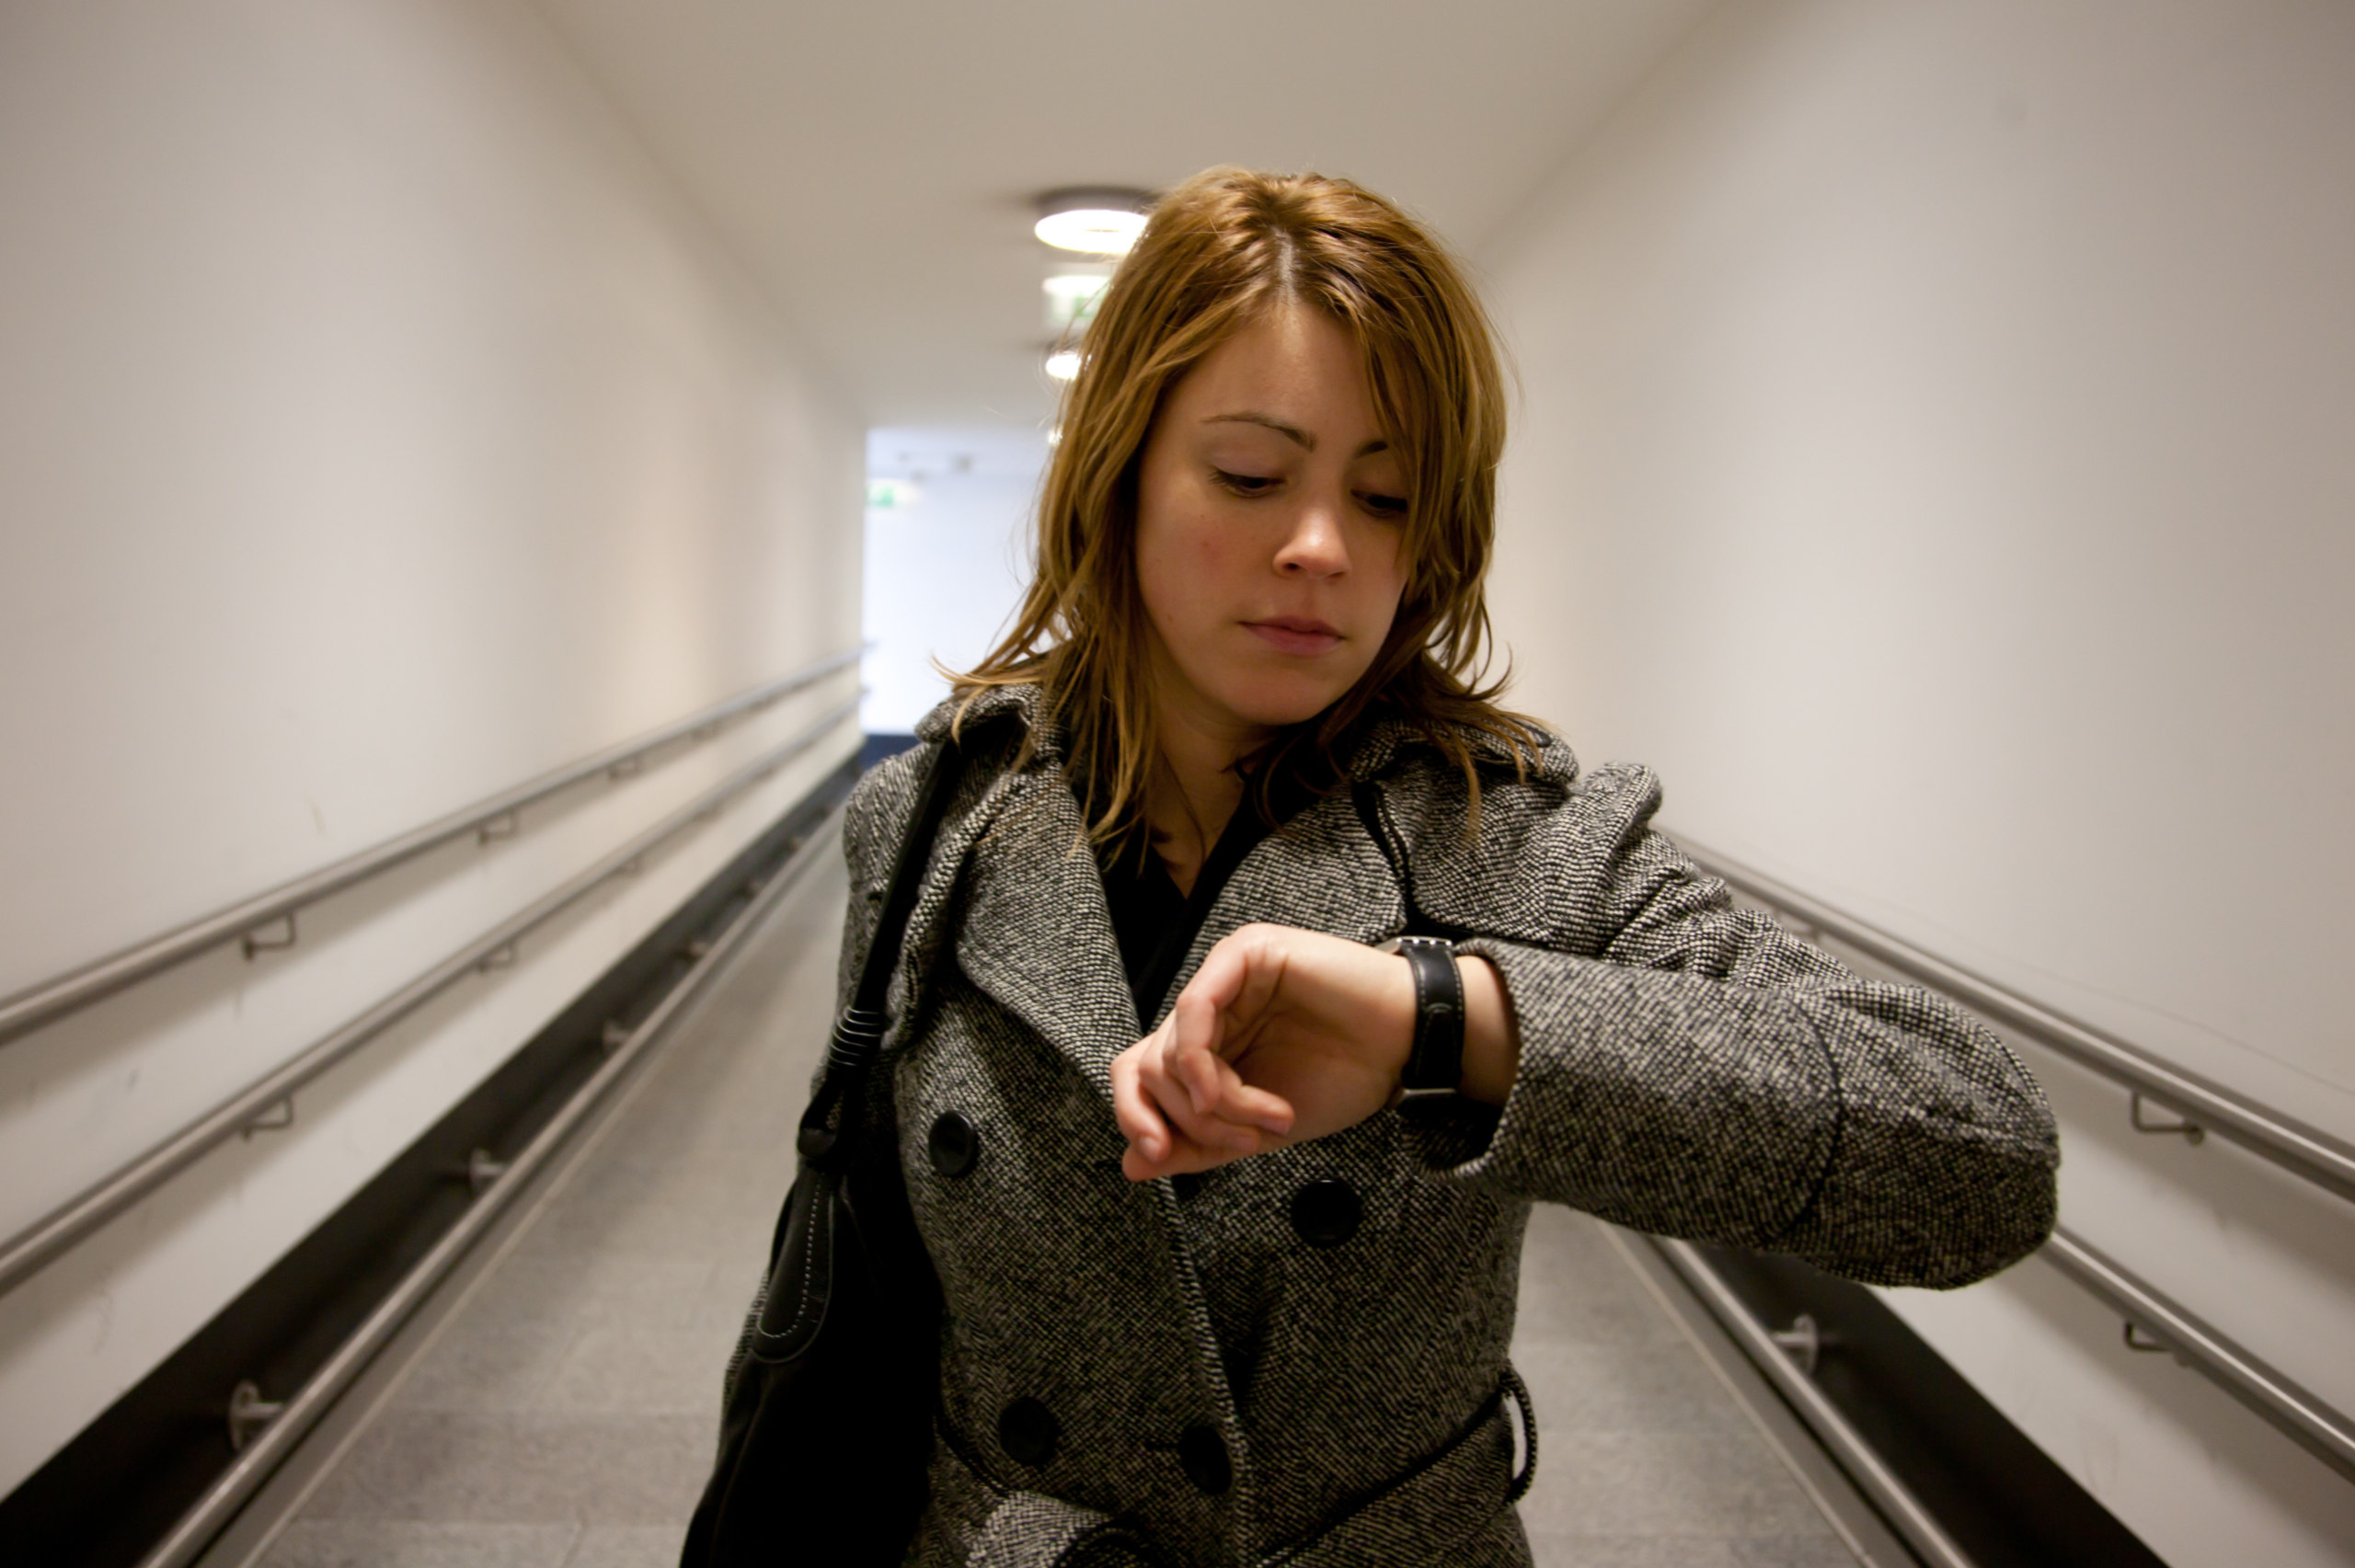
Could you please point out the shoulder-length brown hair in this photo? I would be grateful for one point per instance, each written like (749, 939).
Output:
(1219, 251)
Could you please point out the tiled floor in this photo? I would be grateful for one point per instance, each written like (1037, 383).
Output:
(565, 1415)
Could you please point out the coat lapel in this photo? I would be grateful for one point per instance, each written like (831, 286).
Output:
(1034, 933)
(1015, 895)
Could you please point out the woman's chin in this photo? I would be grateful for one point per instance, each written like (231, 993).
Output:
(1261, 693)
(1287, 704)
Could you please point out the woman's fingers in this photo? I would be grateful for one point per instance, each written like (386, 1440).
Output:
(1193, 1068)
(1213, 1024)
(1212, 1090)
(1134, 1111)
(1188, 1070)
(1204, 1117)
(1167, 1150)
(1167, 1134)
(1279, 1034)
(1245, 1104)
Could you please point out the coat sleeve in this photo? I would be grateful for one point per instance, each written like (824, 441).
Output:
(1692, 1069)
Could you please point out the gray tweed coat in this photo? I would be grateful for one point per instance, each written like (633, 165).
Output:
(1298, 1359)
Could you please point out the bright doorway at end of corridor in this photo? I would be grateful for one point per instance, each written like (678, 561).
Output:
(948, 553)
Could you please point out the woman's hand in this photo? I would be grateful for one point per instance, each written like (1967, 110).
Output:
(1282, 1036)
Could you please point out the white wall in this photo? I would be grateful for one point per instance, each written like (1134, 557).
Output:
(944, 575)
(380, 430)
(1936, 460)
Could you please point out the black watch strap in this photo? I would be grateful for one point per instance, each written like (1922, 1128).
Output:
(1436, 1058)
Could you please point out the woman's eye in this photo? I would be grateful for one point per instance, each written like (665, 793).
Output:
(1245, 484)
(1382, 505)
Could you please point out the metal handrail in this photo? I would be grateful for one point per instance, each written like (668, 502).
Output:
(1889, 1496)
(2306, 1419)
(31, 1248)
(197, 1528)
(2307, 1151)
(2293, 1409)
(50, 999)
(2313, 1424)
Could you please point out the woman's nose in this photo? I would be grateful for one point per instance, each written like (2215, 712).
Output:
(1314, 546)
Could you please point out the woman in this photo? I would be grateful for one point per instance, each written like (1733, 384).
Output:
(1214, 1291)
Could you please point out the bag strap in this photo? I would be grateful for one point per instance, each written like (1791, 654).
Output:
(858, 1033)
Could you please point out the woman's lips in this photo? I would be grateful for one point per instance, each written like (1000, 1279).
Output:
(1297, 635)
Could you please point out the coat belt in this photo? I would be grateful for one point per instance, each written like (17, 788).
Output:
(1416, 1515)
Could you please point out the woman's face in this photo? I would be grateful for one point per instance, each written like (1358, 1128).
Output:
(1270, 514)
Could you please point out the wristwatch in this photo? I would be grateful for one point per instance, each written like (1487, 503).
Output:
(1436, 1058)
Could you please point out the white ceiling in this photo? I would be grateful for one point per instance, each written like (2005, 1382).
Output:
(876, 163)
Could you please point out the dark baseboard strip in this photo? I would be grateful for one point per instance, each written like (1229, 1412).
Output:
(105, 1499)
(879, 745)
(1998, 1496)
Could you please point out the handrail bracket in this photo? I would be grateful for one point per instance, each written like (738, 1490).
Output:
(276, 937)
(2193, 1133)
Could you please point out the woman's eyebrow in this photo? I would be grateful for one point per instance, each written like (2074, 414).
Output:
(1292, 433)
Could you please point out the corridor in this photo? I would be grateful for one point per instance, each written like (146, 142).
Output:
(481, 481)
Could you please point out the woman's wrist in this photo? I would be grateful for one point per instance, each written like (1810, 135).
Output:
(1491, 1054)
(1492, 1044)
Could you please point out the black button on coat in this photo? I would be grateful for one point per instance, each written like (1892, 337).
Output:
(1686, 1068)
(954, 1144)
(1325, 1213)
(1027, 1430)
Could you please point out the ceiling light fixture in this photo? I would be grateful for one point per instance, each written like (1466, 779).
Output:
(1063, 363)
(1098, 222)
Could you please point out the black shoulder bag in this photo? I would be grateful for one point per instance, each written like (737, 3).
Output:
(827, 1431)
